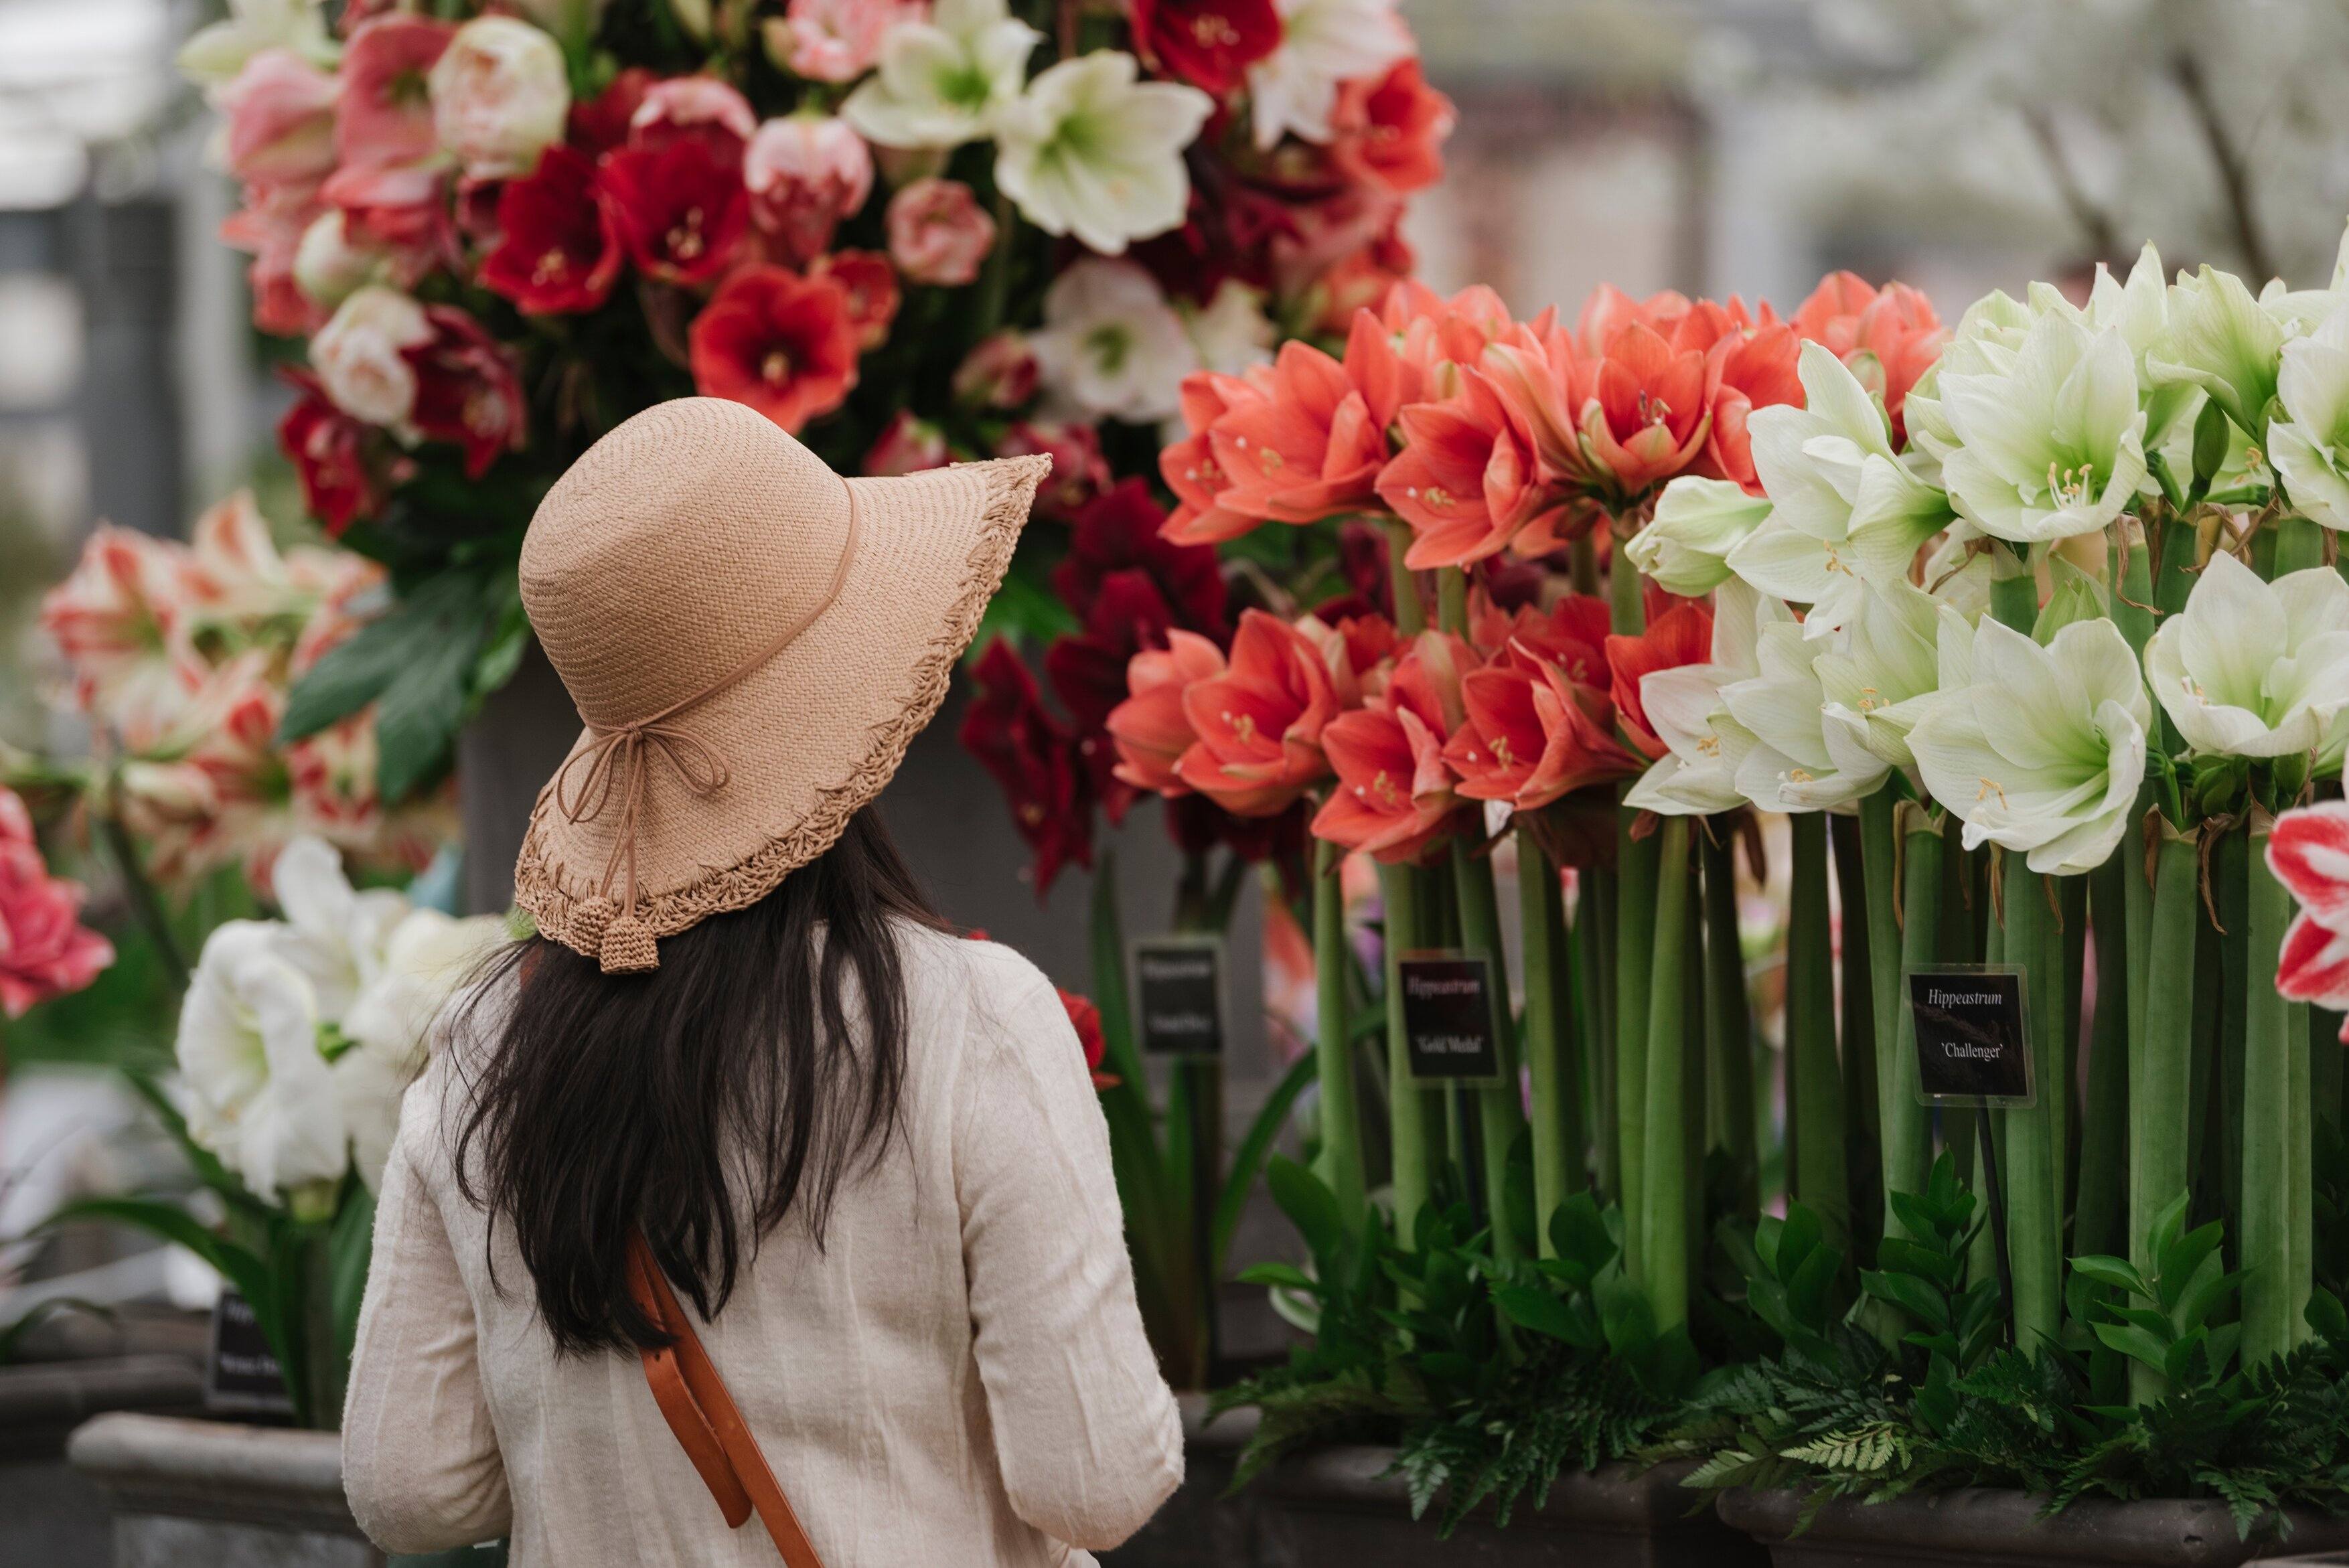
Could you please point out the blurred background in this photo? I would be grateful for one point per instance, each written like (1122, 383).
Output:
(1712, 146)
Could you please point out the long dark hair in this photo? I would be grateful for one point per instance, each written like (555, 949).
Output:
(729, 1079)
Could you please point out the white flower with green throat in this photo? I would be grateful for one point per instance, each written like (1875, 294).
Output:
(2049, 438)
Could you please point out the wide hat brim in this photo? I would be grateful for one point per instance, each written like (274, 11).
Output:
(810, 735)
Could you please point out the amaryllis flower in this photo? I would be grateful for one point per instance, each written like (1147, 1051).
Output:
(329, 450)
(500, 96)
(681, 207)
(399, 209)
(1571, 634)
(830, 40)
(1395, 797)
(121, 618)
(1466, 481)
(1311, 448)
(468, 392)
(868, 290)
(1209, 44)
(1150, 727)
(701, 108)
(1119, 531)
(1111, 343)
(45, 950)
(1259, 723)
(1389, 130)
(600, 124)
(1757, 366)
(559, 247)
(280, 113)
(1322, 44)
(1680, 635)
(1033, 756)
(361, 355)
(2309, 854)
(1088, 152)
(999, 372)
(1886, 338)
(269, 228)
(1533, 734)
(805, 172)
(385, 117)
(1364, 276)
(1078, 473)
(779, 342)
(1085, 1019)
(1190, 467)
(939, 234)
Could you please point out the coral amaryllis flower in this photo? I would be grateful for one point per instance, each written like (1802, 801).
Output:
(1150, 727)
(1465, 480)
(1311, 450)
(45, 950)
(1532, 735)
(1680, 635)
(559, 245)
(1395, 797)
(682, 206)
(1391, 128)
(869, 285)
(779, 342)
(1259, 723)
(1757, 366)
(1189, 466)
(1885, 337)
(1649, 408)
(1571, 634)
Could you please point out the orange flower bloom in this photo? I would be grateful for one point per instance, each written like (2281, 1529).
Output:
(1149, 727)
(1307, 450)
(1680, 635)
(1466, 481)
(1189, 466)
(1259, 724)
(1531, 735)
(1395, 797)
(1887, 337)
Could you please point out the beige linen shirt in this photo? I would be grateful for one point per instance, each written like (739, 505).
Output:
(959, 1376)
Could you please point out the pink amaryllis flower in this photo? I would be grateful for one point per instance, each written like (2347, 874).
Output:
(1312, 449)
(1190, 467)
(1259, 723)
(45, 950)
(2309, 854)
(1533, 734)
(384, 118)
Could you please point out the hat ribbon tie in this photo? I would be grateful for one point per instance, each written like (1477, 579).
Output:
(617, 760)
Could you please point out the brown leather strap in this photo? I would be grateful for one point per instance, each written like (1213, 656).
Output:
(693, 1400)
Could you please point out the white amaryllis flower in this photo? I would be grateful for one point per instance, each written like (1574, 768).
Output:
(328, 269)
(2051, 443)
(360, 356)
(213, 55)
(1686, 547)
(1322, 44)
(261, 1094)
(2307, 444)
(2223, 341)
(944, 81)
(427, 959)
(1881, 673)
(2254, 668)
(1231, 332)
(336, 935)
(1844, 510)
(2037, 749)
(1798, 762)
(1110, 345)
(501, 95)
(1092, 151)
(1697, 775)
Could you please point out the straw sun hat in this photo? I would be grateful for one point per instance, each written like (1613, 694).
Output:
(754, 641)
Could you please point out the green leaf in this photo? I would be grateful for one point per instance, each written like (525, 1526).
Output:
(1309, 1204)
(1279, 1276)
(1249, 1157)
(2135, 1342)
(416, 663)
(349, 1245)
(1529, 1307)
(2116, 1272)
(215, 1175)
(1913, 1295)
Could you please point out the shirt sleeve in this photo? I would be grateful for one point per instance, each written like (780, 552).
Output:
(1087, 1434)
(420, 1461)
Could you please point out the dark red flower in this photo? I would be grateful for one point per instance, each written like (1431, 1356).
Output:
(1085, 1019)
(329, 450)
(558, 247)
(681, 207)
(779, 342)
(1119, 531)
(601, 123)
(467, 390)
(870, 286)
(1078, 473)
(1208, 42)
(1390, 131)
(1088, 672)
(1033, 758)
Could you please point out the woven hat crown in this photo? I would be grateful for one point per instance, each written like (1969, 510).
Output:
(670, 552)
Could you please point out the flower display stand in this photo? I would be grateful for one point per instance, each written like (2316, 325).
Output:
(228, 1496)
(49, 1514)
(1984, 1526)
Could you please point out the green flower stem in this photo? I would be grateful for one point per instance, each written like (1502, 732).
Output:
(2272, 1303)
(1635, 924)
(2161, 1072)
(1341, 1161)
(2300, 1178)
(1410, 613)
(2299, 545)
(1878, 844)
(1594, 956)
(1862, 1109)
(1814, 1168)
(1908, 1126)
(1663, 1214)
(1500, 1107)
(1451, 599)
(2230, 869)
(1627, 609)
(1728, 1018)
(1552, 1064)
(2099, 1214)
(2032, 1150)
(1407, 1129)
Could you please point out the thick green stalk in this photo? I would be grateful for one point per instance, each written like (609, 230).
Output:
(1594, 953)
(1814, 1166)
(1665, 1245)
(1410, 613)
(1341, 1161)
(2272, 1303)
(2300, 544)
(1879, 843)
(2161, 1074)
(1500, 1107)
(1627, 608)
(2300, 1178)
(2099, 1214)
(1407, 1121)
(1862, 1111)
(1907, 1125)
(2230, 869)
(1635, 925)
(2033, 1169)
(2072, 902)
(1551, 1067)
(1728, 1020)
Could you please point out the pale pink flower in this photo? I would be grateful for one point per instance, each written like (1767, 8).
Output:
(45, 950)
(361, 355)
(499, 97)
(939, 234)
(280, 112)
(684, 103)
(999, 372)
(121, 619)
(805, 173)
(907, 445)
(384, 120)
(270, 228)
(831, 40)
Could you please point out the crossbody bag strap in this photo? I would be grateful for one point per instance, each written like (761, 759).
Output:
(694, 1401)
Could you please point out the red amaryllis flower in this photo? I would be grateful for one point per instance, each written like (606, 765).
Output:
(1680, 635)
(1466, 481)
(1389, 130)
(385, 117)
(1030, 756)
(1085, 1019)
(1259, 723)
(1756, 366)
(1127, 615)
(1886, 338)
(1310, 449)
(1571, 634)
(1150, 727)
(1361, 279)
(681, 207)
(1119, 531)
(1190, 467)
(1532, 735)
(1080, 472)
(559, 246)
(868, 284)
(1395, 796)
(779, 342)
(1208, 42)
(467, 391)
(44, 949)
(329, 450)
(601, 123)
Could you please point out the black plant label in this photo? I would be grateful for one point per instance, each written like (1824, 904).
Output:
(1178, 990)
(1972, 1041)
(242, 1373)
(1447, 1015)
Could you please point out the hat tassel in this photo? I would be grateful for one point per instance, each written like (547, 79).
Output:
(627, 946)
